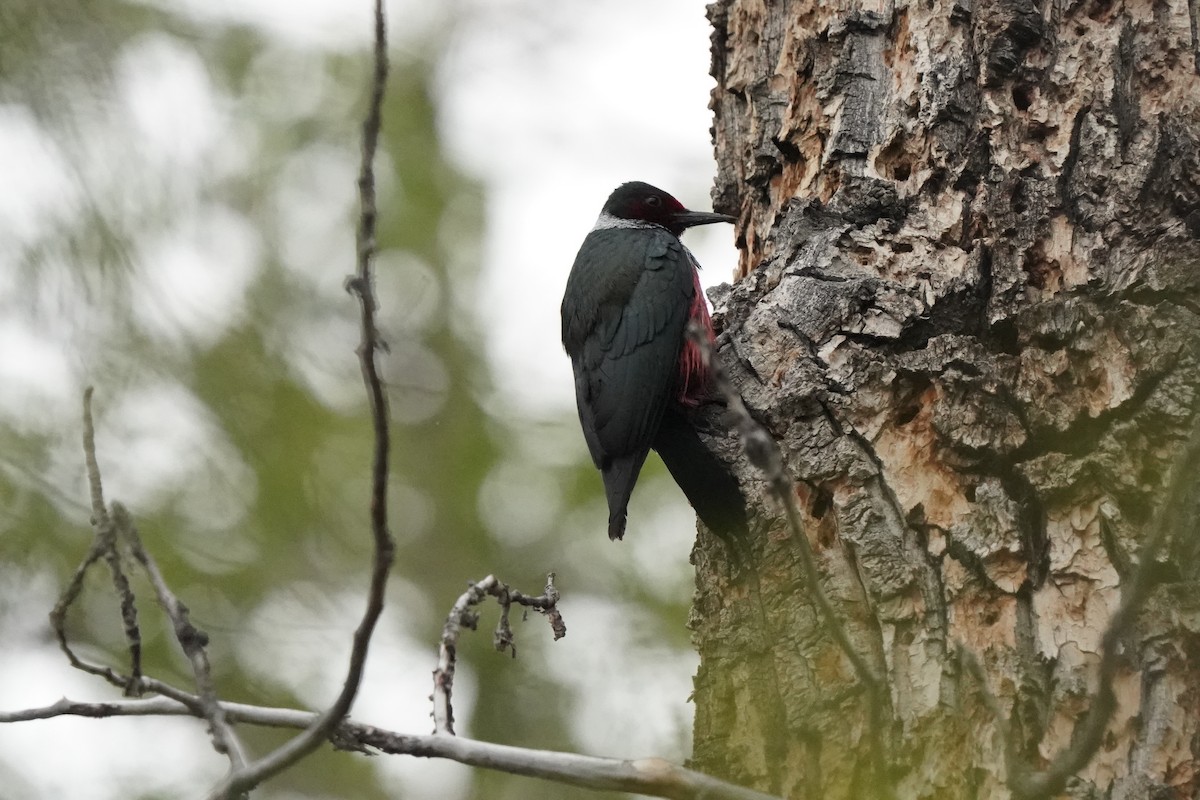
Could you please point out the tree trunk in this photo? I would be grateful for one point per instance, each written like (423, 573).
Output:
(968, 312)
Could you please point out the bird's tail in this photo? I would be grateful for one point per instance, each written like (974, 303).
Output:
(705, 480)
(619, 477)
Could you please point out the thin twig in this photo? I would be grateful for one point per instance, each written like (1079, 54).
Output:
(647, 776)
(763, 453)
(104, 546)
(191, 639)
(95, 486)
(106, 541)
(304, 743)
(971, 663)
(58, 621)
(462, 616)
(1168, 521)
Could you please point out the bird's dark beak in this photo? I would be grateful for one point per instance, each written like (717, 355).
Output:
(689, 219)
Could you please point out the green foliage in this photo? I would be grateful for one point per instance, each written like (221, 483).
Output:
(190, 267)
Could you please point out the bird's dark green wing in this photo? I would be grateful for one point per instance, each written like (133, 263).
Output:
(624, 314)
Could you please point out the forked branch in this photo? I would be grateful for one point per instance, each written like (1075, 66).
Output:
(462, 616)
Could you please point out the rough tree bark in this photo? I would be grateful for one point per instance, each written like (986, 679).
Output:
(968, 311)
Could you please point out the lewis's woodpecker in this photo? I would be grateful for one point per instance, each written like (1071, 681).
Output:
(631, 293)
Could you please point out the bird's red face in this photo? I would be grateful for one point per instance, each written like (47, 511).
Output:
(645, 203)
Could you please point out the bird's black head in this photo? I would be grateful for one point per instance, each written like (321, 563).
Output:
(642, 202)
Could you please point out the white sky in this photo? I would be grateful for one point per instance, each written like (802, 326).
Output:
(550, 105)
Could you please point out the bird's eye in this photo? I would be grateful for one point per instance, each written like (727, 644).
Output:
(654, 201)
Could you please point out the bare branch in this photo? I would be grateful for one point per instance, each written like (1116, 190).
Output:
(106, 542)
(190, 638)
(461, 616)
(112, 530)
(58, 621)
(1169, 520)
(646, 776)
(99, 510)
(763, 453)
(104, 546)
(443, 676)
(151, 707)
(318, 731)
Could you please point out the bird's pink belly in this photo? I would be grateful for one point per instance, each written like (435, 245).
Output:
(693, 375)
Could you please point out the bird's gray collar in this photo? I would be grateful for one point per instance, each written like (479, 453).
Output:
(606, 221)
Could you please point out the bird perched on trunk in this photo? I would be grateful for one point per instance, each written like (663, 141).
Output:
(632, 291)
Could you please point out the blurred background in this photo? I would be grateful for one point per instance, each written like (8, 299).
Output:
(177, 212)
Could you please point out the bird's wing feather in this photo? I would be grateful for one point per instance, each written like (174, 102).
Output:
(624, 315)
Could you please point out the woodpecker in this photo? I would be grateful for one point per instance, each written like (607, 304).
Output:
(631, 293)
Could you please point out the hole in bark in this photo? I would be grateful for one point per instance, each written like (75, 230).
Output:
(1101, 11)
(909, 397)
(1044, 275)
(1040, 132)
(936, 181)
(1022, 95)
(1192, 221)
(907, 414)
(789, 150)
(969, 493)
(1019, 204)
(892, 161)
(1006, 336)
(1044, 272)
(820, 504)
